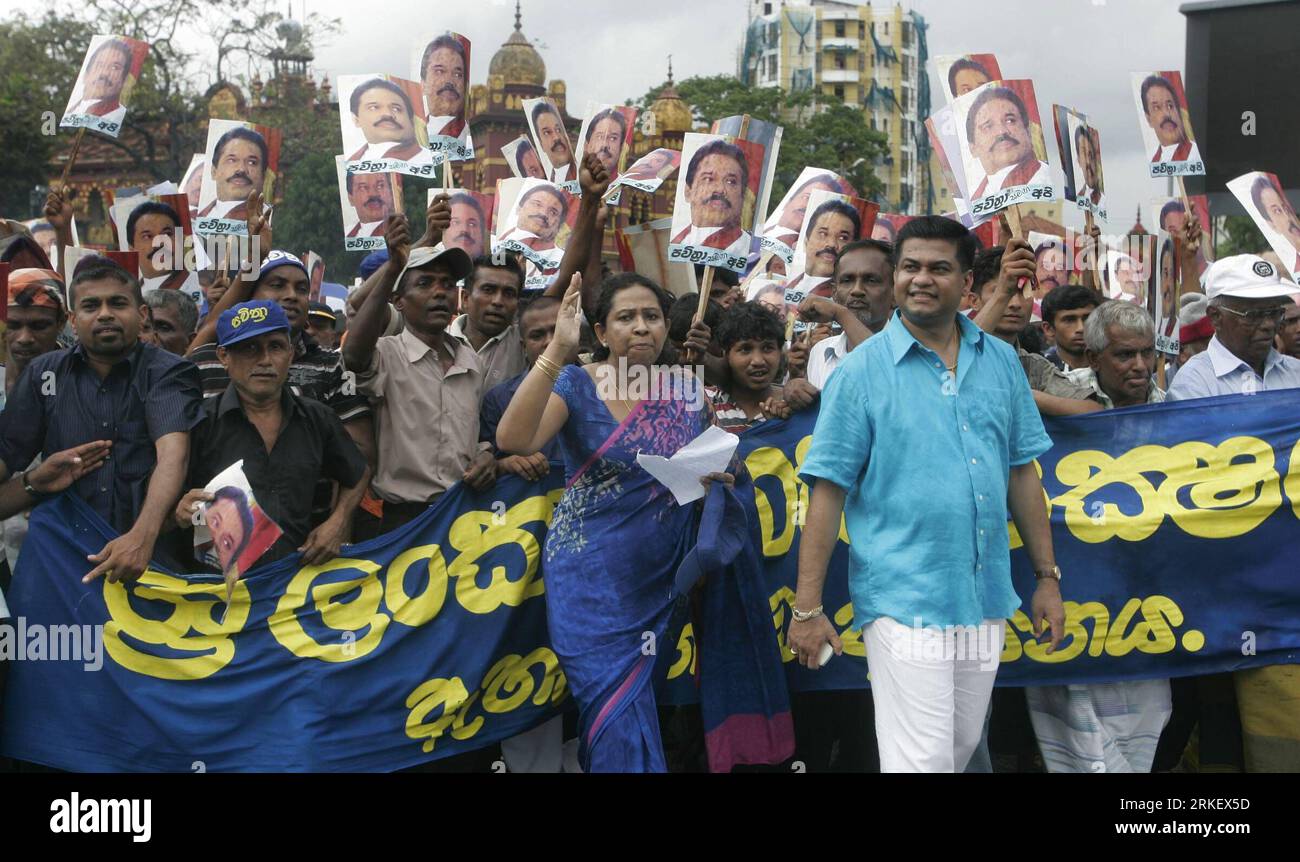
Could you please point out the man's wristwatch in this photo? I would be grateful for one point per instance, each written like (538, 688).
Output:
(1053, 573)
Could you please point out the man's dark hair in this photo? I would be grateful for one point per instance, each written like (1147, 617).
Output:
(379, 84)
(446, 40)
(1081, 131)
(1157, 81)
(1174, 206)
(988, 264)
(835, 205)
(240, 499)
(864, 245)
(541, 302)
(149, 208)
(614, 285)
(545, 107)
(721, 148)
(1067, 297)
(97, 269)
(729, 277)
(962, 65)
(469, 199)
(550, 190)
(1031, 339)
(1257, 189)
(1048, 244)
(682, 314)
(752, 320)
(607, 114)
(989, 95)
(938, 227)
(484, 261)
(244, 133)
(122, 47)
(522, 150)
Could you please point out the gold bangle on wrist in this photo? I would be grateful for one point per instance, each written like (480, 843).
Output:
(548, 367)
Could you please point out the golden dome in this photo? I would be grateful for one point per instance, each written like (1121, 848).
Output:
(518, 62)
(671, 113)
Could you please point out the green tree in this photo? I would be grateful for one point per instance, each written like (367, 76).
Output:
(829, 135)
(1238, 234)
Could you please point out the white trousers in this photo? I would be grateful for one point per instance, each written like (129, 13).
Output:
(538, 750)
(931, 688)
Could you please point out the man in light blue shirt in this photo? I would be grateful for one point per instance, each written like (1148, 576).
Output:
(1248, 299)
(926, 437)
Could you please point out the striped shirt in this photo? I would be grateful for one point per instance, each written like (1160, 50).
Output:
(730, 416)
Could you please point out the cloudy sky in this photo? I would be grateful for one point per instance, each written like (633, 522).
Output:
(1078, 52)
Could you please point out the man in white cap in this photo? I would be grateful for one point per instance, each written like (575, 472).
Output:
(1247, 302)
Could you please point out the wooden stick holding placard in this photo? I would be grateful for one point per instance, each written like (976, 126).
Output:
(1017, 227)
(72, 159)
(447, 184)
(706, 285)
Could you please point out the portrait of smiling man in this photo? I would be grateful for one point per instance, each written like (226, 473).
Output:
(1163, 113)
(238, 167)
(383, 112)
(540, 212)
(371, 196)
(103, 78)
(998, 133)
(444, 72)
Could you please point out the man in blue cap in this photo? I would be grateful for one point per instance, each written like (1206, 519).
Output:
(281, 437)
(314, 372)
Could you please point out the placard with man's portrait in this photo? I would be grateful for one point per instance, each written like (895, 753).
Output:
(1080, 147)
(1129, 276)
(1169, 215)
(241, 157)
(1262, 196)
(941, 127)
(831, 222)
(962, 73)
(1163, 302)
(606, 133)
(383, 127)
(1166, 125)
(442, 66)
(158, 229)
(648, 173)
(1003, 151)
(102, 94)
(532, 218)
(768, 136)
(551, 140)
(713, 214)
(1051, 262)
(366, 200)
(887, 225)
(522, 159)
(192, 182)
(780, 234)
(471, 217)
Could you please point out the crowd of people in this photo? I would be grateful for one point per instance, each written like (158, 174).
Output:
(443, 371)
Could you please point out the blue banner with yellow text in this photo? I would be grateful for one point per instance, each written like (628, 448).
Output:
(1173, 524)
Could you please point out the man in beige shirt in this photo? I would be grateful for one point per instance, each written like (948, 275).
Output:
(425, 386)
(489, 326)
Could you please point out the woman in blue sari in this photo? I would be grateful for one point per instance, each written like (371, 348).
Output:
(617, 535)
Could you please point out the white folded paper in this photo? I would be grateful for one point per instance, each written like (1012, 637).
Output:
(708, 453)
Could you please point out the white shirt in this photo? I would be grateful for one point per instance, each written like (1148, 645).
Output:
(1040, 177)
(825, 357)
(376, 152)
(370, 228)
(221, 208)
(1167, 153)
(1216, 371)
(190, 287)
(697, 235)
(114, 116)
(435, 125)
(561, 174)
